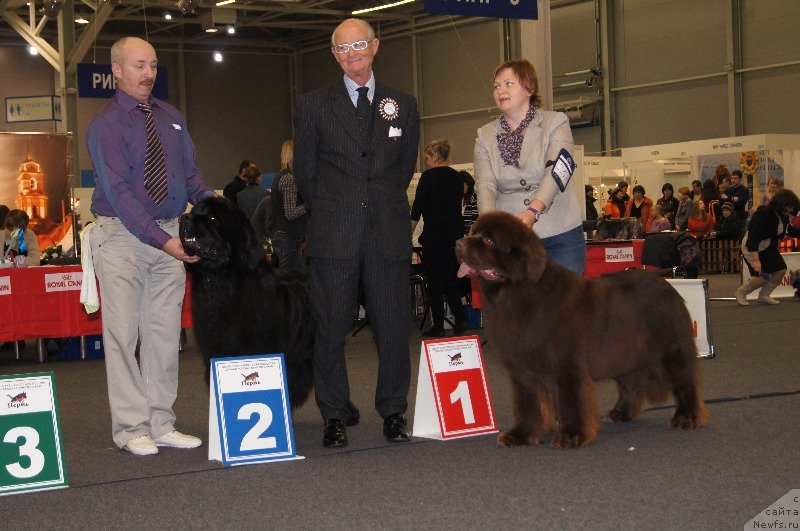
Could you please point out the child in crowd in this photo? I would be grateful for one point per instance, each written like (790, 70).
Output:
(659, 223)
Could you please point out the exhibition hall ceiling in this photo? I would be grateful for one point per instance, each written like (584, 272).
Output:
(280, 26)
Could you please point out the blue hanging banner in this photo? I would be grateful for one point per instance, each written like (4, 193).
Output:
(485, 8)
(97, 81)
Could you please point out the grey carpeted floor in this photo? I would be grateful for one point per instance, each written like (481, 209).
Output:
(640, 475)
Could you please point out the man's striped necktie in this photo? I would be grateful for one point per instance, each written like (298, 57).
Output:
(155, 171)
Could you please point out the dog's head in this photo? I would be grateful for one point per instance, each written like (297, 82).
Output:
(220, 234)
(500, 248)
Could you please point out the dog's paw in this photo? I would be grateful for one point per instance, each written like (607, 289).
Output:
(570, 440)
(515, 437)
(615, 415)
(686, 422)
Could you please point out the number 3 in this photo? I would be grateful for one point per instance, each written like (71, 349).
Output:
(252, 439)
(29, 449)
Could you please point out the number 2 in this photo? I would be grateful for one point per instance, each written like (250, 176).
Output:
(461, 393)
(29, 449)
(252, 440)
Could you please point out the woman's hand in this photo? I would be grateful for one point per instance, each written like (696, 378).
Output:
(527, 217)
(755, 261)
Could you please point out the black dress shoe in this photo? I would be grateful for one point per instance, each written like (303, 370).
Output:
(395, 428)
(434, 331)
(335, 434)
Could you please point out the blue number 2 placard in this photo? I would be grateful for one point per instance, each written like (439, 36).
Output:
(253, 412)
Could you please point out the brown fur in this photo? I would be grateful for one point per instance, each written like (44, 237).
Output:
(558, 333)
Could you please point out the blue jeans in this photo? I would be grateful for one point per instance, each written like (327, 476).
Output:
(567, 249)
(287, 248)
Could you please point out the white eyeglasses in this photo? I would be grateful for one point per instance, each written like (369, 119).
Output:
(356, 46)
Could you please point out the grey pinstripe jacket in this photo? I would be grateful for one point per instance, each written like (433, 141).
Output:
(355, 184)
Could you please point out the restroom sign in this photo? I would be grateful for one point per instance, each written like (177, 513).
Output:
(31, 445)
(453, 398)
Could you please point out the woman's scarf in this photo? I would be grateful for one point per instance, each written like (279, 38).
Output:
(510, 142)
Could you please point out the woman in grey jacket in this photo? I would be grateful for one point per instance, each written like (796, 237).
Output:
(523, 164)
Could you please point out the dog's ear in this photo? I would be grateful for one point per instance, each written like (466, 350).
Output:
(525, 260)
(536, 259)
(254, 251)
(249, 250)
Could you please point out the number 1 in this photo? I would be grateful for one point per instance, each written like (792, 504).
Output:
(461, 393)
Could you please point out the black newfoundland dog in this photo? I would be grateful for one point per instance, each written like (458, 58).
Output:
(241, 305)
(557, 333)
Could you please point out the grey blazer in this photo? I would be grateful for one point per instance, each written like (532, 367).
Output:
(510, 189)
(355, 185)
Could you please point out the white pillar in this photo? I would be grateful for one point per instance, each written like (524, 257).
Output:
(534, 45)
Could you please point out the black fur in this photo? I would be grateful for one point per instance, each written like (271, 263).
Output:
(241, 305)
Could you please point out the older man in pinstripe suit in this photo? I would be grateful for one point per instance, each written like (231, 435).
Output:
(355, 152)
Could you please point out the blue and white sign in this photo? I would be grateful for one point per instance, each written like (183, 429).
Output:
(33, 109)
(97, 81)
(485, 8)
(250, 418)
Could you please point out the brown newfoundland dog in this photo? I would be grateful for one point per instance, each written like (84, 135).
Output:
(558, 332)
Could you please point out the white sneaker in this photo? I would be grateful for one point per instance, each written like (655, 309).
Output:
(142, 445)
(177, 439)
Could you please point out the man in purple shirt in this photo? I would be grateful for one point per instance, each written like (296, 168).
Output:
(137, 254)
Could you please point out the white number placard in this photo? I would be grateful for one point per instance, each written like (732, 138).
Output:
(453, 398)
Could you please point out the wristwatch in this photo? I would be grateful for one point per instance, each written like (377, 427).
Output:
(536, 213)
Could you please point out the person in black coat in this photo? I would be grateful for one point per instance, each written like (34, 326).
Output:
(438, 200)
(591, 210)
(669, 205)
(728, 225)
(768, 226)
(738, 195)
(238, 183)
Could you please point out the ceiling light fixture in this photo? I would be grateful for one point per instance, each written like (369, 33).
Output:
(113, 3)
(187, 7)
(33, 50)
(218, 57)
(211, 30)
(81, 20)
(224, 2)
(51, 8)
(167, 15)
(377, 8)
(231, 30)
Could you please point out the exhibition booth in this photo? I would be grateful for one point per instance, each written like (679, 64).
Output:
(759, 157)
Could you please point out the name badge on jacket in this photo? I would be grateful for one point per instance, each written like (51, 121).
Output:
(395, 131)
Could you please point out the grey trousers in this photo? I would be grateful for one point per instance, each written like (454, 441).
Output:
(141, 294)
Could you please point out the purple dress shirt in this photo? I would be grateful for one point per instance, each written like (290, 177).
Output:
(117, 142)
